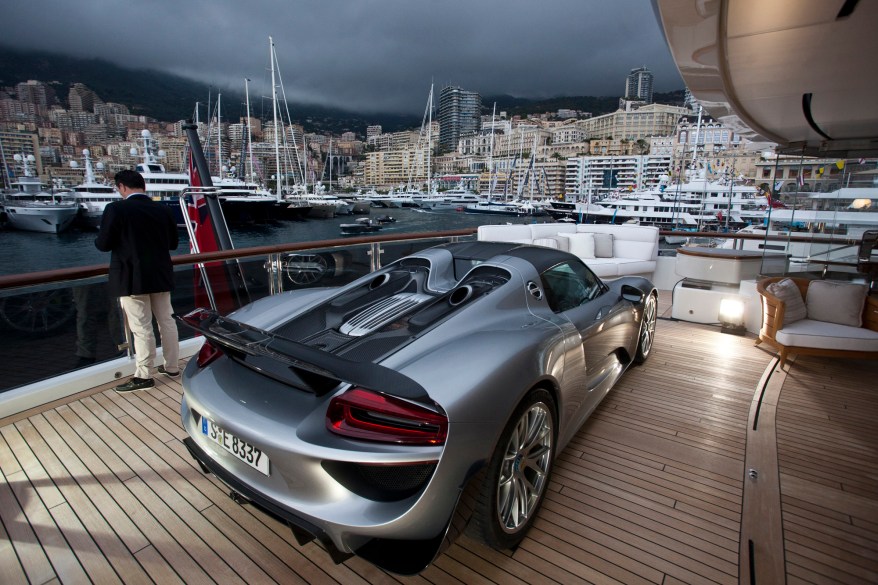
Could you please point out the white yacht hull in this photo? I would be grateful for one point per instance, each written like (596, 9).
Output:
(49, 220)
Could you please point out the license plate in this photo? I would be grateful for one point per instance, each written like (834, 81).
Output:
(252, 456)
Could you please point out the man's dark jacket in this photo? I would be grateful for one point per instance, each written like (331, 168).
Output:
(139, 233)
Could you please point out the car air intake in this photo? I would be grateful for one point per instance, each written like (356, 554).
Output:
(381, 313)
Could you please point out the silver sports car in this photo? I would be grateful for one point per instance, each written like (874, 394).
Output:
(385, 416)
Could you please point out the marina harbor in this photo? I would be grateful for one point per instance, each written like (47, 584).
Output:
(627, 339)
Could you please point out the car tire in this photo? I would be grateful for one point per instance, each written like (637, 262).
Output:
(518, 475)
(647, 330)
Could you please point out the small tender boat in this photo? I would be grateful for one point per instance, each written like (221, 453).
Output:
(364, 225)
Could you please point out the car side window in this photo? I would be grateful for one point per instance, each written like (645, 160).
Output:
(569, 285)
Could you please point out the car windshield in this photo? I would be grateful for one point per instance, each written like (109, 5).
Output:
(569, 285)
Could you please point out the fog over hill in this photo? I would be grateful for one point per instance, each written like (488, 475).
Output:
(169, 97)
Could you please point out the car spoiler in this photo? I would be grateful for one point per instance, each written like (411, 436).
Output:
(259, 343)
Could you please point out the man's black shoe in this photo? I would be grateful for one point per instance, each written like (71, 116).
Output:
(162, 370)
(135, 384)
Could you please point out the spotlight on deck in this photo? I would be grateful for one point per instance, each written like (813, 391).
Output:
(731, 316)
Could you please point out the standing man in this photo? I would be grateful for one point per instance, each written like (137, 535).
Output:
(139, 234)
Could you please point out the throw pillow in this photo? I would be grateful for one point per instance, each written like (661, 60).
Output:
(836, 302)
(787, 291)
(581, 244)
(547, 242)
(603, 245)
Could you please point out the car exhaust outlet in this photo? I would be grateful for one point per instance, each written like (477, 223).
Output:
(460, 295)
(238, 498)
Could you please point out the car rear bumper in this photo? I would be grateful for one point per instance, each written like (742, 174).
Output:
(303, 530)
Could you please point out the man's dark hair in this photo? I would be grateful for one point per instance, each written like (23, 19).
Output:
(131, 179)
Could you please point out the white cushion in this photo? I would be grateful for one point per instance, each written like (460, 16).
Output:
(637, 233)
(548, 230)
(794, 306)
(634, 250)
(603, 267)
(628, 267)
(603, 245)
(836, 302)
(547, 242)
(581, 245)
(825, 335)
(503, 233)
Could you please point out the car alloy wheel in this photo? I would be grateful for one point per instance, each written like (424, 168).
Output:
(647, 329)
(519, 473)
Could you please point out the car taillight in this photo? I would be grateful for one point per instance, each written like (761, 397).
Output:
(207, 354)
(367, 415)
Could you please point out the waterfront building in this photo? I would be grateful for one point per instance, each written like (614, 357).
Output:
(635, 123)
(23, 143)
(460, 113)
(387, 169)
(638, 85)
(597, 176)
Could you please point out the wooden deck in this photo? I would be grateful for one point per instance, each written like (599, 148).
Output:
(652, 489)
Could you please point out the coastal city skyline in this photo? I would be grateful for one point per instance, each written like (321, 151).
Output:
(375, 57)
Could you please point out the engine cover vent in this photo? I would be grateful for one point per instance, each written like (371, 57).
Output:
(381, 313)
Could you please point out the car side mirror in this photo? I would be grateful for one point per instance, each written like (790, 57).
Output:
(632, 294)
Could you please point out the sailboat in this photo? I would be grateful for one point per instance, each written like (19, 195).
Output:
(490, 206)
(242, 201)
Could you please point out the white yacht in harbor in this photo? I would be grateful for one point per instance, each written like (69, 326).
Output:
(842, 214)
(161, 185)
(697, 203)
(28, 206)
(91, 195)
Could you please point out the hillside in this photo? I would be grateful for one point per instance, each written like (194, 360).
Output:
(169, 98)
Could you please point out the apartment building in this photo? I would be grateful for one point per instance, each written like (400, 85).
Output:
(597, 176)
(460, 113)
(635, 123)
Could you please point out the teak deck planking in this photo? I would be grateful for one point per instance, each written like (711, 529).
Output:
(651, 490)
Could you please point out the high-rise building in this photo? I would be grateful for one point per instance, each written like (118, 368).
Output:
(460, 113)
(638, 85)
(82, 99)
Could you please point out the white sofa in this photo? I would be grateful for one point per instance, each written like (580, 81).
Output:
(610, 250)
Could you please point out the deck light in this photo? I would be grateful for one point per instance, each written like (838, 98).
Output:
(731, 316)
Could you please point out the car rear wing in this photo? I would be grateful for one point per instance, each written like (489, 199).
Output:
(315, 370)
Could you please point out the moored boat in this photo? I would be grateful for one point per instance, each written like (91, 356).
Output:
(364, 225)
(91, 195)
(28, 206)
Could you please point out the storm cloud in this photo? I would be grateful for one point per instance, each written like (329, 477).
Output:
(363, 55)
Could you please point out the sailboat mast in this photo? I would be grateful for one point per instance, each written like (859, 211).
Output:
(274, 113)
(430, 140)
(219, 136)
(249, 130)
(491, 156)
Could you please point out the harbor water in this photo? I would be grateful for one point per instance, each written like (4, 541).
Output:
(22, 252)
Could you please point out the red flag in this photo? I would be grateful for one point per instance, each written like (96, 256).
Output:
(199, 215)
(212, 278)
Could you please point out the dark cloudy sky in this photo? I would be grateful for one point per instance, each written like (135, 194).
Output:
(363, 55)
